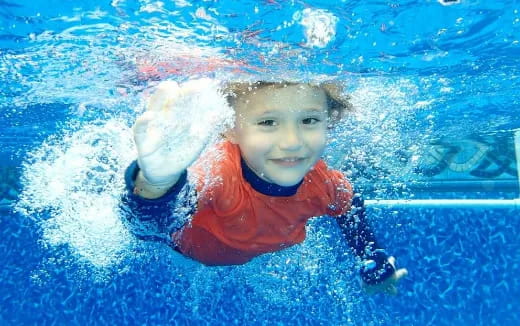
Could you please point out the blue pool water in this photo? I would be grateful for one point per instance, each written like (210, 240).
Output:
(435, 88)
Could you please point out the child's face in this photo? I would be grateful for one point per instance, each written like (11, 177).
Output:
(281, 132)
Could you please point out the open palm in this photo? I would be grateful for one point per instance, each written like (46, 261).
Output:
(178, 124)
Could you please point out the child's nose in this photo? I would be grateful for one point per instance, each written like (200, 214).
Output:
(290, 139)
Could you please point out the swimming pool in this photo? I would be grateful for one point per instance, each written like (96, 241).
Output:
(438, 117)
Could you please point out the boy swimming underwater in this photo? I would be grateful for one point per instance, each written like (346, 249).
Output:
(263, 185)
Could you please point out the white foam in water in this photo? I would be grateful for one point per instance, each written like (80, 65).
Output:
(72, 183)
(319, 27)
(370, 144)
(77, 180)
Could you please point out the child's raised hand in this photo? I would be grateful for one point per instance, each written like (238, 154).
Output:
(179, 122)
(388, 286)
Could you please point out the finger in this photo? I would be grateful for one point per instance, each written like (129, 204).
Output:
(368, 289)
(150, 142)
(142, 122)
(195, 85)
(164, 93)
(141, 129)
(146, 136)
(391, 260)
(400, 273)
(392, 290)
(156, 101)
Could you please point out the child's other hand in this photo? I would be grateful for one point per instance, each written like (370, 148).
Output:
(388, 286)
(179, 122)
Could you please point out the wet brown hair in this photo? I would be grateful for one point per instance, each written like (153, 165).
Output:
(338, 103)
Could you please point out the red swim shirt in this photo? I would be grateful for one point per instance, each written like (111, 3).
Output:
(234, 222)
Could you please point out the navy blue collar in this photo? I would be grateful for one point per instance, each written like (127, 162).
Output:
(264, 187)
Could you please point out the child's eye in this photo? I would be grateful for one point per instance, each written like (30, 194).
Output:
(267, 123)
(310, 121)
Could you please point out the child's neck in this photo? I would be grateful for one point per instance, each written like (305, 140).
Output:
(264, 187)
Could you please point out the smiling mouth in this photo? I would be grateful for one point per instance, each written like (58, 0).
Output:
(289, 161)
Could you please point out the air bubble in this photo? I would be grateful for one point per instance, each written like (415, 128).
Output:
(319, 27)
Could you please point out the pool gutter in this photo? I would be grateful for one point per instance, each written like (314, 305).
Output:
(446, 203)
(457, 203)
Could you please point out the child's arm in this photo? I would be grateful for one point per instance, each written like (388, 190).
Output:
(156, 219)
(378, 272)
(177, 125)
(169, 136)
(163, 150)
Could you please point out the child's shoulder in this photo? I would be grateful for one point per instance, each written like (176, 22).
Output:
(217, 163)
(333, 183)
(322, 171)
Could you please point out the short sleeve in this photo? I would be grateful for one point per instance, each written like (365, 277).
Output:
(341, 194)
